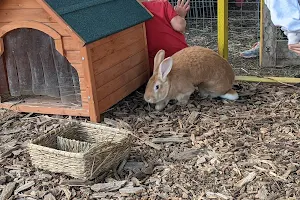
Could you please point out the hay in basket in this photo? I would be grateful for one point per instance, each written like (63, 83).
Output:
(81, 150)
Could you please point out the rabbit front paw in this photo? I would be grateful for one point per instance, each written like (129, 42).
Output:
(183, 99)
(161, 105)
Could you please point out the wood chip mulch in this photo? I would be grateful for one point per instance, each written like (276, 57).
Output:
(211, 149)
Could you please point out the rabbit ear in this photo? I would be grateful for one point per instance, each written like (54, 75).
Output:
(159, 57)
(165, 68)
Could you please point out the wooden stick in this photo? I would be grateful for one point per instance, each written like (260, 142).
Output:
(282, 80)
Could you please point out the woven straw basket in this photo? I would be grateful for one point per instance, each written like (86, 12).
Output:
(81, 150)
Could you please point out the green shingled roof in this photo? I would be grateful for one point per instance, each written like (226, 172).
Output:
(96, 19)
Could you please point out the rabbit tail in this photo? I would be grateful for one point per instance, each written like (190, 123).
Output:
(230, 95)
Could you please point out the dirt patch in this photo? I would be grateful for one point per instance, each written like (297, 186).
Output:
(211, 149)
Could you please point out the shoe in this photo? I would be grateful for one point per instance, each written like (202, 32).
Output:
(251, 53)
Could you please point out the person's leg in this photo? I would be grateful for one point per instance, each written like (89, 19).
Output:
(254, 51)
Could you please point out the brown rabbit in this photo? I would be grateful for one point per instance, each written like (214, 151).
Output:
(178, 76)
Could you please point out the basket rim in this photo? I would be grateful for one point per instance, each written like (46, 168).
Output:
(56, 151)
(32, 145)
(94, 125)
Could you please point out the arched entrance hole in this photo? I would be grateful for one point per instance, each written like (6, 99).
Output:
(35, 71)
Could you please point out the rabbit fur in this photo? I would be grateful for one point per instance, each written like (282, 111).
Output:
(191, 68)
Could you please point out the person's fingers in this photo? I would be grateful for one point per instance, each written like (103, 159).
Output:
(188, 8)
(182, 3)
(295, 48)
(296, 51)
(294, 45)
(178, 2)
(186, 4)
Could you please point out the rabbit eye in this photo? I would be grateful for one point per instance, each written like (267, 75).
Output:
(156, 87)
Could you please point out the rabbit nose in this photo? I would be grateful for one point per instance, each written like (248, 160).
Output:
(148, 99)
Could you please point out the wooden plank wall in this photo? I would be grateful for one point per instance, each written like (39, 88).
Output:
(3, 78)
(120, 65)
(35, 67)
(22, 10)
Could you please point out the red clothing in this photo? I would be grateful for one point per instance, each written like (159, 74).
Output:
(239, 3)
(160, 33)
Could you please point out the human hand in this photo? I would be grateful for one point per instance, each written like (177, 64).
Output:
(182, 8)
(295, 48)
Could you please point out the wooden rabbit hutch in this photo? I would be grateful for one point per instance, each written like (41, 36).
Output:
(71, 57)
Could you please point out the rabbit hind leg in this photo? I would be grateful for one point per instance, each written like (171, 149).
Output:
(215, 91)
